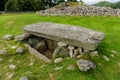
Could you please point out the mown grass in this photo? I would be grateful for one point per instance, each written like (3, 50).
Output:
(13, 23)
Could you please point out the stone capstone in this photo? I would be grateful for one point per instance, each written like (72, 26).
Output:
(80, 37)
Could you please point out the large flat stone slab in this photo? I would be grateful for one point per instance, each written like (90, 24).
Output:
(73, 35)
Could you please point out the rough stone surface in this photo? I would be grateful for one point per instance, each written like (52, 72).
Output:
(24, 78)
(85, 65)
(71, 67)
(22, 36)
(1, 59)
(80, 37)
(3, 52)
(12, 66)
(61, 44)
(76, 52)
(113, 51)
(37, 54)
(94, 54)
(20, 50)
(58, 68)
(80, 10)
(61, 52)
(50, 44)
(41, 46)
(106, 58)
(8, 37)
(58, 60)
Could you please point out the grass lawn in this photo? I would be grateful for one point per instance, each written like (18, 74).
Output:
(106, 70)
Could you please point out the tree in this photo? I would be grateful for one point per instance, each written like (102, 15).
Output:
(2, 4)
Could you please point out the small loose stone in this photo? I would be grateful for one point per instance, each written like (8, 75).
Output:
(106, 58)
(12, 66)
(58, 68)
(58, 60)
(71, 67)
(10, 76)
(61, 44)
(94, 54)
(24, 78)
(119, 63)
(1, 59)
(112, 55)
(3, 52)
(113, 51)
(8, 37)
(71, 47)
(20, 50)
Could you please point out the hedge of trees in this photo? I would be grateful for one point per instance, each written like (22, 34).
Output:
(108, 4)
(27, 5)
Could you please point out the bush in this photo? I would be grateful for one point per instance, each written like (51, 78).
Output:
(24, 5)
(2, 4)
(12, 5)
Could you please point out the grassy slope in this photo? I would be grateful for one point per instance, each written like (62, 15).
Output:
(13, 23)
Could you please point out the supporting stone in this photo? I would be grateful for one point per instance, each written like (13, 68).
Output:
(38, 54)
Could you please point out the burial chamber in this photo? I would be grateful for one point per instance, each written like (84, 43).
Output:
(49, 38)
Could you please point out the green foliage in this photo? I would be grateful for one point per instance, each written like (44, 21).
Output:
(108, 4)
(2, 4)
(12, 5)
(24, 5)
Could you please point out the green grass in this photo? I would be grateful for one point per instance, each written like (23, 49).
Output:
(13, 23)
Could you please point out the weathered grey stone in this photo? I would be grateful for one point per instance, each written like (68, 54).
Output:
(80, 37)
(8, 37)
(20, 50)
(38, 54)
(94, 54)
(58, 60)
(24, 78)
(3, 51)
(80, 10)
(71, 53)
(80, 51)
(71, 47)
(61, 52)
(11, 75)
(41, 46)
(58, 68)
(85, 65)
(1, 59)
(50, 44)
(61, 44)
(118, 63)
(33, 42)
(106, 58)
(22, 37)
(71, 67)
(12, 66)
(113, 51)
(76, 52)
